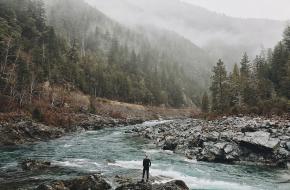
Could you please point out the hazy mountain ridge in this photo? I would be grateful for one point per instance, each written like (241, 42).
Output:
(195, 61)
(214, 32)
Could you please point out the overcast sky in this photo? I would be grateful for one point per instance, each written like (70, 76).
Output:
(271, 9)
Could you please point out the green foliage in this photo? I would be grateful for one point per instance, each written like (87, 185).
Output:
(103, 61)
(261, 87)
(219, 88)
(286, 37)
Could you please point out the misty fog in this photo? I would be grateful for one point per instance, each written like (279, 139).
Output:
(221, 36)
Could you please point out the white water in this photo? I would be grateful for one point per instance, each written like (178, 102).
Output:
(116, 153)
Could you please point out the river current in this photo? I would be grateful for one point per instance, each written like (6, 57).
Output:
(113, 152)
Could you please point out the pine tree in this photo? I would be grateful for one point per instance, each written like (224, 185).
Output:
(245, 67)
(246, 86)
(113, 56)
(235, 85)
(286, 81)
(279, 67)
(219, 88)
(205, 103)
(286, 37)
(263, 84)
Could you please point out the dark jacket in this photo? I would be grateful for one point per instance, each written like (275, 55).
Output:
(146, 163)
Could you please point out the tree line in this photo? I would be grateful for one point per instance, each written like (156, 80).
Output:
(260, 86)
(33, 53)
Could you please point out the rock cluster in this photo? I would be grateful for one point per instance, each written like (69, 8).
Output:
(92, 182)
(96, 122)
(172, 185)
(97, 182)
(228, 140)
(25, 131)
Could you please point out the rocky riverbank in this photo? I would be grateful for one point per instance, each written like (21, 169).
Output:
(25, 130)
(242, 140)
(95, 181)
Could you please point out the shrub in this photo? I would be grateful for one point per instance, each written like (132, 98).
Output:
(254, 110)
(37, 115)
(235, 110)
(116, 115)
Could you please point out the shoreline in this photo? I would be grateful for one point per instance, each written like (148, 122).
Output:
(230, 140)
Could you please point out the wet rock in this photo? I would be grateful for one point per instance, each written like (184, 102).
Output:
(136, 186)
(170, 144)
(288, 146)
(33, 165)
(227, 140)
(92, 182)
(249, 128)
(172, 185)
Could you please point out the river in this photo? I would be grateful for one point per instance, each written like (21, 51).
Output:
(113, 152)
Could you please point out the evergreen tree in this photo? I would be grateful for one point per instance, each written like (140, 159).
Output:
(262, 78)
(279, 67)
(286, 81)
(286, 37)
(235, 85)
(205, 103)
(219, 88)
(245, 68)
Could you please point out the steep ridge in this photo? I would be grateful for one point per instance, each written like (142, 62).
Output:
(94, 29)
(222, 36)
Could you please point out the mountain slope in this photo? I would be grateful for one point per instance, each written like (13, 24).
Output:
(169, 67)
(221, 36)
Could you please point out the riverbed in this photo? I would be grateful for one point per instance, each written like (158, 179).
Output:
(113, 152)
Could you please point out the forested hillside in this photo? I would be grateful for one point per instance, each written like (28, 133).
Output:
(260, 86)
(95, 31)
(220, 35)
(30, 51)
(85, 50)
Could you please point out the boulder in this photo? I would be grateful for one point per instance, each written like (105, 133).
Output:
(219, 152)
(211, 152)
(172, 185)
(249, 128)
(211, 136)
(92, 182)
(257, 140)
(170, 144)
(32, 165)
(136, 186)
(288, 145)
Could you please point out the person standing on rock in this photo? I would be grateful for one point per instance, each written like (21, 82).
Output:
(146, 166)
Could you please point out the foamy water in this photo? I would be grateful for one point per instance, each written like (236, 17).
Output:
(114, 153)
(192, 182)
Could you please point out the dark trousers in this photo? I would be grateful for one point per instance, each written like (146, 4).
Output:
(146, 170)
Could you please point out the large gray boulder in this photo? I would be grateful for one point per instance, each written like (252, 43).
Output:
(258, 140)
(219, 152)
